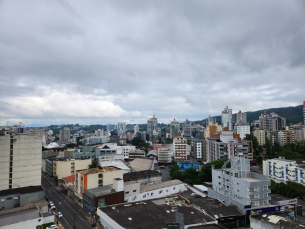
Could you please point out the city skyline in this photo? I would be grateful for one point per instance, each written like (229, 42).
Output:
(115, 62)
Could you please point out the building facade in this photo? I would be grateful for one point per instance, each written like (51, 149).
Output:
(164, 155)
(238, 185)
(188, 130)
(226, 118)
(64, 134)
(174, 128)
(179, 146)
(152, 125)
(211, 129)
(285, 137)
(20, 159)
(199, 149)
(261, 136)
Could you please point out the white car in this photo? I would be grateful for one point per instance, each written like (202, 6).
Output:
(52, 227)
(51, 202)
(52, 206)
(59, 215)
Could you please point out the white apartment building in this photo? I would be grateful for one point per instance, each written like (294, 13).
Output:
(282, 170)
(261, 136)
(126, 150)
(238, 185)
(179, 146)
(136, 129)
(242, 130)
(99, 132)
(20, 159)
(199, 149)
(164, 155)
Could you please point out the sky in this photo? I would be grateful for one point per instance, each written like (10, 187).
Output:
(99, 62)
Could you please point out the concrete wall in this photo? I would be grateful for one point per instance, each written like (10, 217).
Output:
(82, 164)
(48, 219)
(130, 188)
(63, 169)
(43, 165)
(258, 224)
(158, 193)
(9, 203)
(109, 176)
(24, 224)
(30, 197)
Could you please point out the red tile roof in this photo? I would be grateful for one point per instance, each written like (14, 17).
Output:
(69, 178)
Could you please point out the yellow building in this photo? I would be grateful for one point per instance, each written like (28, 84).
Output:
(64, 168)
(211, 129)
(93, 178)
(261, 136)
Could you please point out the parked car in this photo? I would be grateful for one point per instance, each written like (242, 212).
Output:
(52, 206)
(51, 202)
(52, 226)
(59, 215)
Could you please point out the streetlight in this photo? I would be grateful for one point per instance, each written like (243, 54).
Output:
(74, 218)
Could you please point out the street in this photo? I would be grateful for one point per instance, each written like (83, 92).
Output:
(69, 210)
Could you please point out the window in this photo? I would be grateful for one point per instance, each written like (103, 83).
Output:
(9, 198)
(126, 192)
(134, 190)
(16, 198)
(2, 200)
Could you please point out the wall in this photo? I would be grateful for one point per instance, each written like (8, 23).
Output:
(24, 224)
(112, 198)
(258, 224)
(109, 176)
(9, 204)
(48, 219)
(43, 165)
(63, 168)
(158, 193)
(82, 164)
(129, 188)
(107, 222)
(30, 197)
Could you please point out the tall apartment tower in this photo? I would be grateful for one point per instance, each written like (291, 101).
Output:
(136, 129)
(226, 118)
(241, 117)
(188, 130)
(272, 121)
(99, 132)
(179, 146)
(20, 159)
(152, 125)
(174, 128)
(64, 134)
(210, 120)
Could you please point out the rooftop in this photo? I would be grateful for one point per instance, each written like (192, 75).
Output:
(140, 174)
(153, 214)
(23, 190)
(17, 217)
(140, 164)
(69, 178)
(164, 184)
(278, 218)
(97, 170)
(99, 191)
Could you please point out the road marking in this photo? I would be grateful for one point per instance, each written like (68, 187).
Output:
(72, 217)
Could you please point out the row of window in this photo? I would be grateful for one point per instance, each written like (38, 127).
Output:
(10, 198)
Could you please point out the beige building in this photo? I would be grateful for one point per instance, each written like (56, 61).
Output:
(93, 178)
(250, 149)
(261, 136)
(69, 166)
(164, 155)
(20, 159)
(211, 129)
(179, 146)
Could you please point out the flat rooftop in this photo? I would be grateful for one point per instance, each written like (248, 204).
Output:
(17, 217)
(99, 191)
(141, 174)
(23, 190)
(153, 214)
(164, 184)
(97, 170)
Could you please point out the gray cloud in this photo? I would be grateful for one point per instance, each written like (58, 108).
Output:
(126, 60)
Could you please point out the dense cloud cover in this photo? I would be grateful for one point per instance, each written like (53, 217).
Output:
(108, 61)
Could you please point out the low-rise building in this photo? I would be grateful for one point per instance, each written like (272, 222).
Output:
(136, 154)
(282, 170)
(145, 177)
(67, 167)
(164, 211)
(93, 178)
(140, 164)
(164, 155)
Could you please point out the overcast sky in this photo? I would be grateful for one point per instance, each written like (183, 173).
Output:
(92, 62)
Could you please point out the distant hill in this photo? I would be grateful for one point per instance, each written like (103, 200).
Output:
(293, 115)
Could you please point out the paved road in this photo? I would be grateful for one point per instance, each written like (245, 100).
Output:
(69, 210)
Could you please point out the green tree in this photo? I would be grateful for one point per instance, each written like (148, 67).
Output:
(169, 141)
(206, 171)
(55, 179)
(95, 163)
(188, 142)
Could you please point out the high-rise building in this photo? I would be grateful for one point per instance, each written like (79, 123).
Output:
(285, 137)
(188, 130)
(20, 159)
(211, 129)
(210, 120)
(136, 129)
(304, 111)
(64, 134)
(272, 121)
(241, 117)
(261, 136)
(174, 128)
(110, 127)
(152, 126)
(199, 149)
(226, 118)
(99, 132)
(179, 146)
(242, 129)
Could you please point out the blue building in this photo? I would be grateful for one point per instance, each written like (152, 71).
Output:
(188, 165)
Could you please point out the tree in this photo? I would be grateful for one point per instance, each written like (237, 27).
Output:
(188, 142)
(169, 141)
(55, 179)
(206, 171)
(95, 163)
